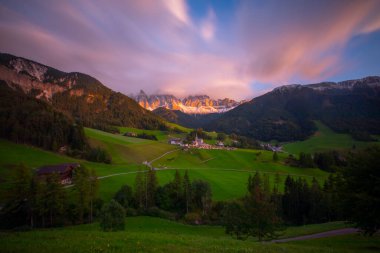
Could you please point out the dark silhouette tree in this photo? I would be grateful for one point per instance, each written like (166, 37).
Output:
(112, 217)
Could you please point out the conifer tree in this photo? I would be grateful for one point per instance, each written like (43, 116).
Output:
(177, 184)
(82, 192)
(151, 189)
(140, 189)
(275, 156)
(94, 185)
(187, 191)
(55, 197)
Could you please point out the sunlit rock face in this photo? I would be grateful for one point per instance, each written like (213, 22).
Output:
(199, 104)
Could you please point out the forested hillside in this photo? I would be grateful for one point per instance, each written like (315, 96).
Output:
(287, 112)
(188, 120)
(82, 96)
(24, 119)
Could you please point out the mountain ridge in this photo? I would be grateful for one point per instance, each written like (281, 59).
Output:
(287, 112)
(192, 104)
(82, 96)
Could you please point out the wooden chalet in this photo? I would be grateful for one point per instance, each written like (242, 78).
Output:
(65, 171)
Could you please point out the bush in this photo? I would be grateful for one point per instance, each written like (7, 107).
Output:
(124, 196)
(193, 218)
(98, 155)
(112, 217)
(147, 136)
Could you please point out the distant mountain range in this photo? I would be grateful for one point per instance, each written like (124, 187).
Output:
(199, 104)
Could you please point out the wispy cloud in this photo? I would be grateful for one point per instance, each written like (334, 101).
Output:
(156, 45)
(208, 25)
(302, 41)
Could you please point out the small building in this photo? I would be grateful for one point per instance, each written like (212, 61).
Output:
(175, 141)
(130, 134)
(65, 171)
(220, 144)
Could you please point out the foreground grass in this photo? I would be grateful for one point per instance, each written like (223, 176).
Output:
(324, 139)
(146, 234)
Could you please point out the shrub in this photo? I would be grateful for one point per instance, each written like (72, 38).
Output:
(193, 218)
(98, 155)
(112, 217)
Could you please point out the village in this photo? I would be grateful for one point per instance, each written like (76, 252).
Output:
(199, 144)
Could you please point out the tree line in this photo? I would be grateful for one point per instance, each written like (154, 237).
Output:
(180, 198)
(329, 161)
(351, 194)
(34, 201)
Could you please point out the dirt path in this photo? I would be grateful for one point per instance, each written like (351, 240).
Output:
(169, 152)
(343, 231)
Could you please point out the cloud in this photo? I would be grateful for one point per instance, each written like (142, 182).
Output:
(208, 26)
(179, 9)
(286, 42)
(156, 45)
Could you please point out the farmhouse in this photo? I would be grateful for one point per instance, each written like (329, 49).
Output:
(274, 148)
(175, 141)
(130, 134)
(65, 171)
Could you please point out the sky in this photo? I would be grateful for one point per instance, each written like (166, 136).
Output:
(222, 48)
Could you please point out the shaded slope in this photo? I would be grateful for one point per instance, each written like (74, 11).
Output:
(82, 96)
(286, 113)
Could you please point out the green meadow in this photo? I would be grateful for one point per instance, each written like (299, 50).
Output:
(147, 234)
(227, 171)
(324, 139)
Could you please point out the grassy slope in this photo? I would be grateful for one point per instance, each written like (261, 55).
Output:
(127, 150)
(161, 135)
(227, 171)
(146, 234)
(324, 139)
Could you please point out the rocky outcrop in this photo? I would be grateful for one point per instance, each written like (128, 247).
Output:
(200, 104)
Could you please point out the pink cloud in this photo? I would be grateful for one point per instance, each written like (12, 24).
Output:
(302, 43)
(156, 45)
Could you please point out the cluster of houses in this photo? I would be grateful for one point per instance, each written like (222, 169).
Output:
(270, 147)
(198, 143)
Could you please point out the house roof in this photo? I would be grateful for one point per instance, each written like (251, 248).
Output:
(59, 168)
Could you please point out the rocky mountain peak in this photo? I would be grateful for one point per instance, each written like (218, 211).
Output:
(34, 70)
(142, 93)
(193, 104)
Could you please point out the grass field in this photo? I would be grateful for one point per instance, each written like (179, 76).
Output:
(146, 234)
(226, 171)
(127, 150)
(161, 135)
(324, 139)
